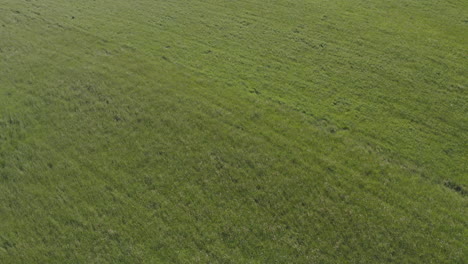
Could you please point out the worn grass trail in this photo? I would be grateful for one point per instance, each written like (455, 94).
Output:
(233, 131)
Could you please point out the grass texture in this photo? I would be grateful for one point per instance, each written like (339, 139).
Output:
(246, 131)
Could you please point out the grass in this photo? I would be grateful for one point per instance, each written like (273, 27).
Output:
(233, 131)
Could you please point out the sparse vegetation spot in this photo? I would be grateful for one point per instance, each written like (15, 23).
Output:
(457, 188)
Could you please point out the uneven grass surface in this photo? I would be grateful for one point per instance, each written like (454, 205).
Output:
(248, 131)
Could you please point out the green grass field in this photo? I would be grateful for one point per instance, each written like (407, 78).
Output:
(240, 131)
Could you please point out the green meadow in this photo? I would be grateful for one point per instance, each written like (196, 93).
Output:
(233, 131)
